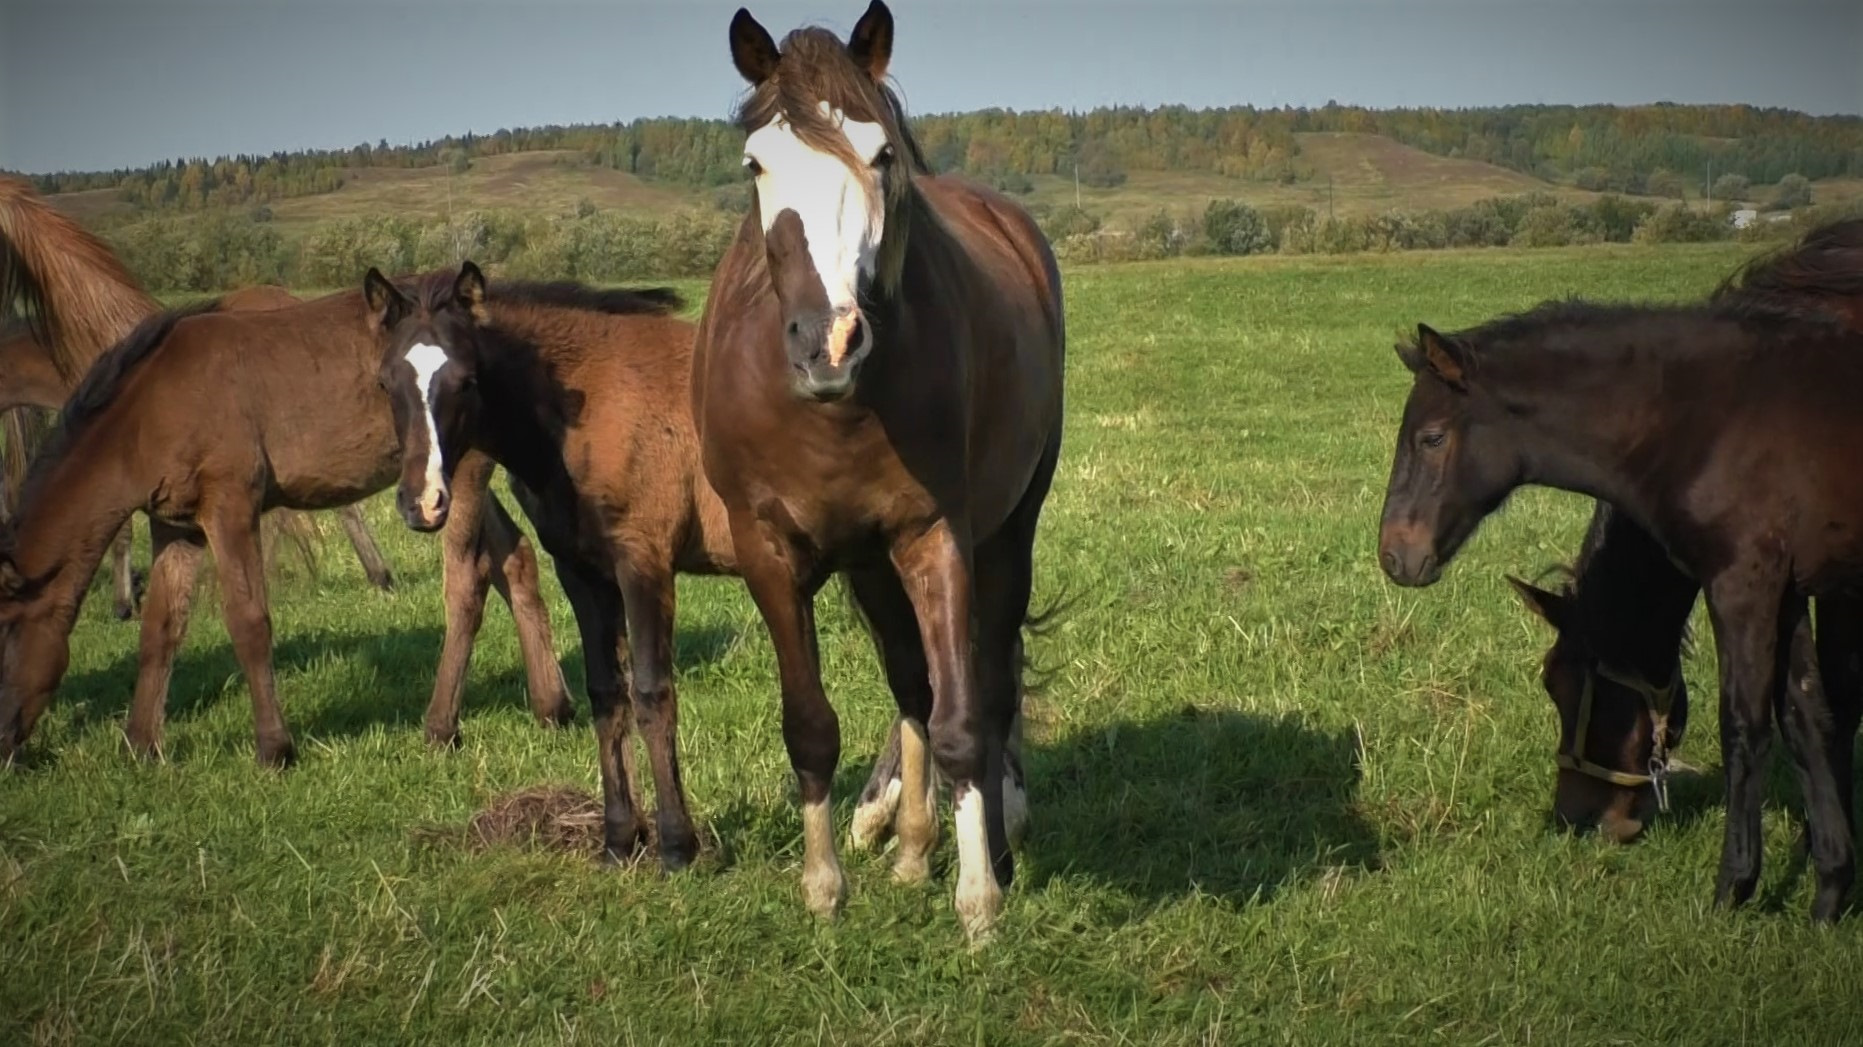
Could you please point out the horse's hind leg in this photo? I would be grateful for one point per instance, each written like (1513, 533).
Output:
(123, 573)
(1819, 720)
(173, 568)
(233, 534)
(597, 604)
(357, 531)
(1005, 584)
(647, 591)
(883, 601)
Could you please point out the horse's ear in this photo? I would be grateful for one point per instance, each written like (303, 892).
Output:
(1410, 355)
(872, 41)
(752, 50)
(386, 302)
(1548, 606)
(1445, 358)
(469, 288)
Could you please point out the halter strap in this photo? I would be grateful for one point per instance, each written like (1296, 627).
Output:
(1659, 701)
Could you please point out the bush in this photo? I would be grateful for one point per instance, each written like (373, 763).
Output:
(1792, 191)
(338, 254)
(1069, 221)
(1677, 224)
(1731, 187)
(1544, 227)
(1231, 228)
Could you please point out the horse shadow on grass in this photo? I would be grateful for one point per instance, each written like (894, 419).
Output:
(398, 663)
(1232, 805)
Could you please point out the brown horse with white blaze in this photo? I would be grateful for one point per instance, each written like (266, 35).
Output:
(583, 396)
(82, 301)
(878, 392)
(205, 420)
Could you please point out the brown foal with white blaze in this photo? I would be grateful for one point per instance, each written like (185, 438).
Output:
(878, 389)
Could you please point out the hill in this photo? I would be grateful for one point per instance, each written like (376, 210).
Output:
(1356, 173)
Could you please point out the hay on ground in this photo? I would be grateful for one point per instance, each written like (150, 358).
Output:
(562, 818)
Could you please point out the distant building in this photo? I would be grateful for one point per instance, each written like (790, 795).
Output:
(1744, 217)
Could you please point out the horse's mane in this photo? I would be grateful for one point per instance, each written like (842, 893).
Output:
(1544, 325)
(435, 291)
(100, 385)
(817, 68)
(73, 290)
(1826, 263)
(567, 294)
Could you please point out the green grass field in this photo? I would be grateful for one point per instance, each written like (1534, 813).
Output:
(1275, 798)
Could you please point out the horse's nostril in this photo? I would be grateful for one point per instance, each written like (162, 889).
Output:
(1389, 560)
(795, 328)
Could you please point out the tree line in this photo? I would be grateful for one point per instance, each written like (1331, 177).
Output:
(1659, 150)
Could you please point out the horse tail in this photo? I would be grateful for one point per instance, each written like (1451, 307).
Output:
(77, 294)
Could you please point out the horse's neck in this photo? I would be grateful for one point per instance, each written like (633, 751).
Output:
(28, 378)
(515, 427)
(62, 537)
(1636, 599)
(1592, 438)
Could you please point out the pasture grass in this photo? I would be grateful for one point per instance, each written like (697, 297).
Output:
(1275, 798)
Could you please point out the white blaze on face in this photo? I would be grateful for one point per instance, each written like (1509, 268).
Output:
(842, 210)
(426, 361)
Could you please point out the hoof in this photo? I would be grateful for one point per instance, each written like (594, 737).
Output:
(124, 612)
(443, 737)
(144, 749)
(873, 820)
(978, 908)
(824, 892)
(1731, 893)
(279, 755)
(624, 846)
(563, 716)
(678, 852)
(911, 869)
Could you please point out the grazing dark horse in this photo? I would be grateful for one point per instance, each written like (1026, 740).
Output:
(877, 386)
(83, 301)
(1725, 432)
(584, 397)
(1622, 619)
(204, 420)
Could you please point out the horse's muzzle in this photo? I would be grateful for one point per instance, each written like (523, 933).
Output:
(424, 514)
(825, 351)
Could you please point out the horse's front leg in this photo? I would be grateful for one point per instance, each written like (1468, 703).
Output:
(233, 535)
(1745, 606)
(783, 586)
(936, 570)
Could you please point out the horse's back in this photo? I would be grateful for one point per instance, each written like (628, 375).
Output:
(1003, 240)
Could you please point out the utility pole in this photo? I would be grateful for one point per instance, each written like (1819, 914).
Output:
(1076, 185)
(1329, 196)
(1709, 194)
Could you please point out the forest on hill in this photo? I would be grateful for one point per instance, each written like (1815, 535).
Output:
(1658, 150)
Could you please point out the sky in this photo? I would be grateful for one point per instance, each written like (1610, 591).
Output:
(98, 84)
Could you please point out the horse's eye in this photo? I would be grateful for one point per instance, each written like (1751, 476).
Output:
(885, 156)
(752, 167)
(1433, 439)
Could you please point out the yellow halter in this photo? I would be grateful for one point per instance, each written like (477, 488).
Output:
(1659, 701)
